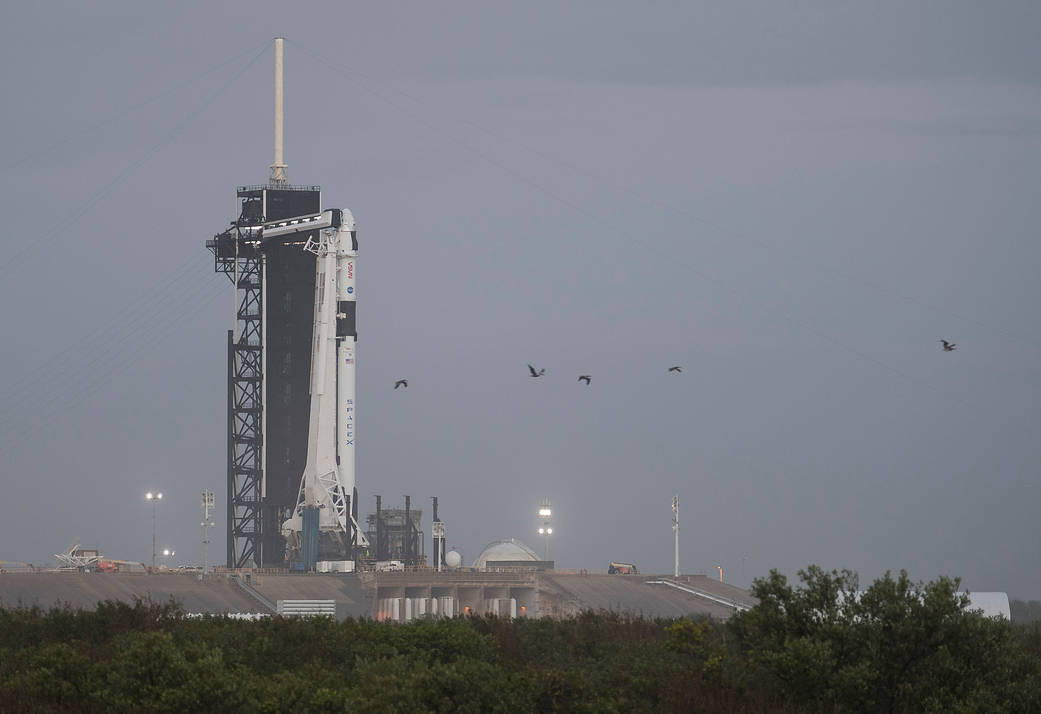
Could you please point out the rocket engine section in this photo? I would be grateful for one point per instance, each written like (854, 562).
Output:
(327, 487)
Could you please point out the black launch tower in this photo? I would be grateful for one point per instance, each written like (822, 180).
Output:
(269, 367)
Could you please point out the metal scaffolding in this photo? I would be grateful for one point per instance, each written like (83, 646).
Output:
(241, 260)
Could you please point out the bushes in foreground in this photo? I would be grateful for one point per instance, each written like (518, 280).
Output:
(899, 646)
(149, 657)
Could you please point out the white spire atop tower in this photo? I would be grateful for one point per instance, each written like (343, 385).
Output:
(279, 175)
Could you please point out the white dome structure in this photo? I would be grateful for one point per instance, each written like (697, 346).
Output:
(511, 551)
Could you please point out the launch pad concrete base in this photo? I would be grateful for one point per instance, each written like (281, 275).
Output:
(388, 596)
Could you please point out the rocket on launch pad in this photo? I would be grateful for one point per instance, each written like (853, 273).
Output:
(327, 486)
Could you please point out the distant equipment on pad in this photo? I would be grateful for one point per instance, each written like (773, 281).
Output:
(89, 560)
(622, 569)
(438, 533)
(77, 558)
(396, 534)
(453, 559)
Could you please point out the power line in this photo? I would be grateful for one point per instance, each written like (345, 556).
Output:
(44, 241)
(66, 382)
(87, 388)
(64, 379)
(95, 337)
(133, 311)
(130, 109)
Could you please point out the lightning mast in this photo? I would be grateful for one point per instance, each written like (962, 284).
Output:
(279, 170)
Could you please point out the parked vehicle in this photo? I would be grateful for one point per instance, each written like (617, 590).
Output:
(622, 569)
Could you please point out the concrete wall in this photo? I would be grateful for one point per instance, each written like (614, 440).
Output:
(386, 596)
(214, 594)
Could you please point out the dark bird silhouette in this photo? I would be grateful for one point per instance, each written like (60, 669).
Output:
(401, 383)
(948, 346)
(585, 378)
(675, 369)
(534, 373)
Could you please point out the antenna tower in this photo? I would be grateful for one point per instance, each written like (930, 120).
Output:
(207, 506)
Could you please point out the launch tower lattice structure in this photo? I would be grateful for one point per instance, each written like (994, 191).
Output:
(268, 360)
(241, 263)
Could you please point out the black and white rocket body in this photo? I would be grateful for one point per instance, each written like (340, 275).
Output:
(328, 481)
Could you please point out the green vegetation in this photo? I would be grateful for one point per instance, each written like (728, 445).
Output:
(902, 647)
(899, 647)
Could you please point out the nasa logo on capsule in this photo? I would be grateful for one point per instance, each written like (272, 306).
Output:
(350, 289)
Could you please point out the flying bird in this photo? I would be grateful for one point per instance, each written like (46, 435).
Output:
(948, 346)
(534, 373)
(675, 369)
(585, 378)
(401, 383)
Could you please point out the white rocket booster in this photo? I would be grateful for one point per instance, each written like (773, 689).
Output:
(328, 479)
(347, 337)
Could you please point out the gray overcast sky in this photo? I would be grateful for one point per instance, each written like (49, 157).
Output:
(794, 201)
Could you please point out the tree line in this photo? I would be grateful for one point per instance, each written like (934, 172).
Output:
(810, 646)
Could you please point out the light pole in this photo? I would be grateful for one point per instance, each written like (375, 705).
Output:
(545, 524)
(676, 531)
(154, 498)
